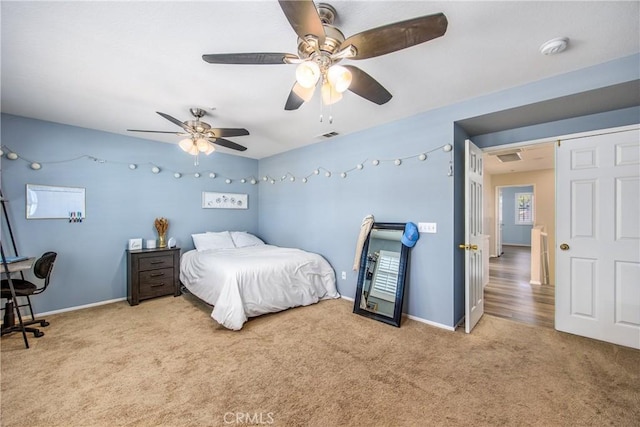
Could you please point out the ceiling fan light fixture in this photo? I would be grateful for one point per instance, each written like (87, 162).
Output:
(202, 144)
(305, 93)
(339, 77)
(329, 94)
(210, 149)
(307, 74)
(186, 144)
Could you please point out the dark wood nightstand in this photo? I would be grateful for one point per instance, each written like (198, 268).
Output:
(152, 273)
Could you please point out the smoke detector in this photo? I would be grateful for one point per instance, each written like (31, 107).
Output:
(554, 46)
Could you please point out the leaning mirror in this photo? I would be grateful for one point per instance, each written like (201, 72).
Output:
(383, 270)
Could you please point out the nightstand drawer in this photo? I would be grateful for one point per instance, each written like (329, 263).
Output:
(156, 262)
(157, 286)
(156, 275)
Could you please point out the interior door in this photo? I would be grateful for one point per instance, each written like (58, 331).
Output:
(499, 225)
(598, 237)
(473, 244)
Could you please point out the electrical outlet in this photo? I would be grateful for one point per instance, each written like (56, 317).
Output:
(344, 275)
(427, 227)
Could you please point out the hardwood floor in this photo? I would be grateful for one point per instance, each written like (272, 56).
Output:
(509, 293)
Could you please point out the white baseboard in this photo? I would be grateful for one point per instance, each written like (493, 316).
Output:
(80, 307)
(430, 323)
(416, 318)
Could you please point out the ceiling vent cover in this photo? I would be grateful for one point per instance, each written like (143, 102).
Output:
(329, 135)
(504, 156)
(509, 157)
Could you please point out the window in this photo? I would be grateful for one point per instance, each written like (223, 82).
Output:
(524, 208)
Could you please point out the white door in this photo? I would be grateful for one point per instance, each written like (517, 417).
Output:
(598, 237)
(499, 222)
(473, 238)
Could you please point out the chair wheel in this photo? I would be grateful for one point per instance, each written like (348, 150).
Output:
(38, 334)
(44, 323)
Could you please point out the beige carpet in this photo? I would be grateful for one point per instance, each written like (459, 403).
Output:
(166, 363)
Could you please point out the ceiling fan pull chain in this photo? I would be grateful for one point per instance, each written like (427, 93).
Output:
(321, 108)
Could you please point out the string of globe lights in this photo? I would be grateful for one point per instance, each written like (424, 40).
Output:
(360, 166)
(156, 169)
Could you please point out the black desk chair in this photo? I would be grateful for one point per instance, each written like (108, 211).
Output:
(42, 269)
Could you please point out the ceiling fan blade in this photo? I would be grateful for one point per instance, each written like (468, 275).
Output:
(303, 17)
(228, 144)
(293, 101)
(177, 122)
(367, 87)
(260, 58)
(222, 132)
(399, 35)
(155, 131)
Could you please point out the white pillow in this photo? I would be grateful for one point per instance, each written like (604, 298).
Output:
(242, 239)
(207, 241)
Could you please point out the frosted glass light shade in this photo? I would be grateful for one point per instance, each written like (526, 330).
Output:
(202, 144)
(305, 93)
(307, 74)
(186, 144)
(339, 77)
(329, 94)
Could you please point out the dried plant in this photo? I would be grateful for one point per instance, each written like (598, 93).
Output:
(161, 224)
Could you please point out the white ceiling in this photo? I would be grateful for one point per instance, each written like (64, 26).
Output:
(111, 65)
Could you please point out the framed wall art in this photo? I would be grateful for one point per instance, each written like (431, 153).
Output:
(224, 200)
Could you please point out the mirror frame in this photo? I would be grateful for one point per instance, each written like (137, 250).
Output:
(402, 275)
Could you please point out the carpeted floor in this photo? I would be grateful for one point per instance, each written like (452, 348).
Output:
(167, 363)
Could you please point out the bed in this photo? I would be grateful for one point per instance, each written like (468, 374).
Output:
(242, 277)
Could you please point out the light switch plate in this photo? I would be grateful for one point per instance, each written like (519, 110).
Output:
(427, 227)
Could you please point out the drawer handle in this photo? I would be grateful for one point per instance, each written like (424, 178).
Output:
(157, 262)
(156, 275)
(156, 285)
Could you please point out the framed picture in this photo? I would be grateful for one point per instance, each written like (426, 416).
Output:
(224, 200)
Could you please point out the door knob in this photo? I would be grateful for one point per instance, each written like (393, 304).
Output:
(564, 247)
(467, 247)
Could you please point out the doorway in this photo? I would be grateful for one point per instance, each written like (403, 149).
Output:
(509, 292)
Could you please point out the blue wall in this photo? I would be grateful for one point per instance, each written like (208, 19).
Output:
(512, 233)
(120, 203)
(323, 215)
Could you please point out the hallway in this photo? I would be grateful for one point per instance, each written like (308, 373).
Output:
(509, 294)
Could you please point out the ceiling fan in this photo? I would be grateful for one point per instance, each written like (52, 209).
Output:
(321, 46)
(200, 135)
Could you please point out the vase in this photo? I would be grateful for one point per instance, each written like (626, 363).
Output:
(162, 240)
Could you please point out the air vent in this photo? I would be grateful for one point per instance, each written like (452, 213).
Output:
(507, 155)
(511, 157)
(329, 135)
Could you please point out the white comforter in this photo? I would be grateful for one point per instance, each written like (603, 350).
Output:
(247, 282)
